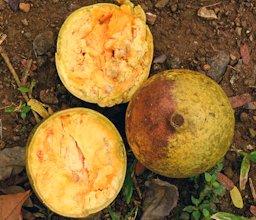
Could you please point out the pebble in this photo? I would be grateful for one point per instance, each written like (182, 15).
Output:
(206, 67)
(203, 12)
(14, 4)
(173, 62)
(24, 22)
(27, 34)
(160, 59)
(25, 7)
(151, 18)
(43, 42)
(2, 144)
(174, 7)
(252, 132)
(41, 60)
(251, 106)
(161, 4)
(2, 5)
(48, 96)
(218, 65)
(239, 31)
(244, 117)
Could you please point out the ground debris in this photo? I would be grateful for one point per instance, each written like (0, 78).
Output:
(203, 12)
(240, 100)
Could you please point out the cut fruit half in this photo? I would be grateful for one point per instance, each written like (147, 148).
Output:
(76, 162)
(104, 52)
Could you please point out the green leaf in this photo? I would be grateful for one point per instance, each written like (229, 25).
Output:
(244, 171)
(207, 177)
(215, 184)
(206, 213)
(23, 115)
(189, 208)
(25, 108)
(113, 215)
(236, 198)
(32, 85)
(253, 156)
(128, 183)
(220, 190)
(23, 89)
(9, 109)
(196, 215)
(195, 201)
(227, 216)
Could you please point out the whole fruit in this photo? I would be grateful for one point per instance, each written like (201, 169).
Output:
(76, 162)
(104, 52)
(180, 123)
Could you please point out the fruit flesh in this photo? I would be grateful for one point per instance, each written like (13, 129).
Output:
(104, 52)
(76, 162)
(183, 127)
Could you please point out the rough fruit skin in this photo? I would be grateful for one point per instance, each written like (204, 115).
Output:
(180, 123)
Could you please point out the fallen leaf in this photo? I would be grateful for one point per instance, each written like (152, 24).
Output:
(253, 210)
(225, 181)
(38, 108)
(12, 161)
(226, 216)
(14, 190)
(139, 169)
(14, 4)
(203, 12)
(160, 198)
(245, 53)
(245, 167)
(236, 198)
(11, 205)
(240, 100)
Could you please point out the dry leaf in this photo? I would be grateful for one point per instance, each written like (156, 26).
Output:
(38, 108)
(160, 198)
(12, 161)
(244, 171)
(253, 210)
(245, 54)
(203, 12)
(236, 198)
(240, 100)
(10, 205)
(225, 181)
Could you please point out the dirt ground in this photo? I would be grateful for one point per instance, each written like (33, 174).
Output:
(182, 39)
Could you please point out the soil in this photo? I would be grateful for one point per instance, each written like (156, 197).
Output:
(182, 39)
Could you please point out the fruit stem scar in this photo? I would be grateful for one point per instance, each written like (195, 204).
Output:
(176, 120)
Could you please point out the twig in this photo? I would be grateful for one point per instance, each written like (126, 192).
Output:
(136, 186)
(15, 76)
(26, 72)
(252, 189)
(2, 38)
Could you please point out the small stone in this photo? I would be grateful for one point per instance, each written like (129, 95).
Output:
(43, 42)
(160, 59)
(2, 144)
(48, 96)
(251, 106)
(25, 7)
(2, 5)
(24, 22)
(173, 62)
(161, 4)
(206, 67)
(252, 133)
(244, 117)
(14, 4)
(254, 117)
(27, 35)
(151, 18)
(41, 60)
(218, 65)
(233, 57)
(174, 7)
(249, 147)
(239, 31)
(203, 12)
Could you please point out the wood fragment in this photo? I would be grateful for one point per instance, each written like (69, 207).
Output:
(252, 189)
(15, 76)
(26, 72)
(136, 185)
(2, 37)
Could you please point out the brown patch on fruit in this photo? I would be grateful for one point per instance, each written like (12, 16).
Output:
(177, 120)
(148, 118)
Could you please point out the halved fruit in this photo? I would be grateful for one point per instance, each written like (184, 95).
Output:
(76, 162)
(179, 123)
(104, 52)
